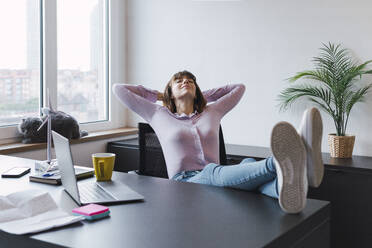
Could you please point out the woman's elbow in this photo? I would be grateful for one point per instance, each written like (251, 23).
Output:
(117, 88)
(241, 87)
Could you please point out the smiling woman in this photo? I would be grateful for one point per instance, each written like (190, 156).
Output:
(182, 85)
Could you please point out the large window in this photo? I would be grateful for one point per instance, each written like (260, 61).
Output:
(19, 60)
(77, 81)
(81, 59)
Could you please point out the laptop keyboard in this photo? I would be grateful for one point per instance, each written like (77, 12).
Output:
(92, 192)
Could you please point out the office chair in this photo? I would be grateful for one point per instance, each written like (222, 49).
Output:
(152, 162)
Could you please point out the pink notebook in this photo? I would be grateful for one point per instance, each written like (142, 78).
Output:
(90, 209)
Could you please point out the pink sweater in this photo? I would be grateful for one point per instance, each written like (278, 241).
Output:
(188, 143)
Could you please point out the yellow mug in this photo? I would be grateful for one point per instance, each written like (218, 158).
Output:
(103, 164)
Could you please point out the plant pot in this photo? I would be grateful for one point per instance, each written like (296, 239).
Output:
(341, 146)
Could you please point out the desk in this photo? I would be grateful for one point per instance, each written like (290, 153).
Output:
(177, 214)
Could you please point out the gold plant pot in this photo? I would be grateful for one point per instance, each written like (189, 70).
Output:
(341, 146)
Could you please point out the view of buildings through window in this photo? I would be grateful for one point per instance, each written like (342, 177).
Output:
(81, 59)
(81, 53)
(19, 60)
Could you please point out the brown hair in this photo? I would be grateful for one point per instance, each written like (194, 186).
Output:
(199, 100)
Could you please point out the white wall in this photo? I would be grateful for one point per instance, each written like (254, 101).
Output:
(256, 42)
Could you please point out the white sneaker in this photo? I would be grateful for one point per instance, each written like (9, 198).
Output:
(289, 158)
(311, 131)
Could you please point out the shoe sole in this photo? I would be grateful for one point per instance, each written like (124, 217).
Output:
(289, 152)
(312, 138)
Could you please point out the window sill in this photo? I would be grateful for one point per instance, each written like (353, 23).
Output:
(93, 136)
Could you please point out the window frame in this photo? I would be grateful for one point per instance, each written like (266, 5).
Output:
(115, 64)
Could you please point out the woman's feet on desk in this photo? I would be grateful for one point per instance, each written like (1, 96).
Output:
(290, 161)
(311, 131)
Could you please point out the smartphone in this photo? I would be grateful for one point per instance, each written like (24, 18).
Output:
(16, 172)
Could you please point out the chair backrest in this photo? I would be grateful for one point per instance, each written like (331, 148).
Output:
(152, 162)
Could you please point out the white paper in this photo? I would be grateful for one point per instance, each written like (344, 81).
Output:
(31, 211)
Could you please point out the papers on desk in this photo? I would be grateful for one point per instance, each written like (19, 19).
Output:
(31, 211)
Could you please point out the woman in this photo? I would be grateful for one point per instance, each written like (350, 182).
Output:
(188, 131)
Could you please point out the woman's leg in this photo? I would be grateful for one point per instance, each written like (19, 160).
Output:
(270, 188)
(287, 167)
(247, 160)
(248, 175)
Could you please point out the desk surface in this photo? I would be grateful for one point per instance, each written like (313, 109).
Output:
(174, 214)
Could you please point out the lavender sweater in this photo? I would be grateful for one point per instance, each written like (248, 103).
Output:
(189, 143)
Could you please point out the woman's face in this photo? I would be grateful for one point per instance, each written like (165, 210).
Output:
(183, 87)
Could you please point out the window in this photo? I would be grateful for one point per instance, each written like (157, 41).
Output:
(19, 60)
(81, 72)
(62, 46)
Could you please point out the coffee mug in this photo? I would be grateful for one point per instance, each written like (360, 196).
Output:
(103, 165)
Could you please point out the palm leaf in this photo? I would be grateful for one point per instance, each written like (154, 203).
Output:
(357, 96)
(356, 70)
(317, 75)
(323, 106)
(291, 94)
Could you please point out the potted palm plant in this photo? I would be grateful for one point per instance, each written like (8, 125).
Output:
(333, 87)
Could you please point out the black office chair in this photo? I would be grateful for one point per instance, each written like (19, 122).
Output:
(151, 162)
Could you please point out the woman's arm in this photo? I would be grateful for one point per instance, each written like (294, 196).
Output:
(138, 99)
(225, 98)
(213, 95)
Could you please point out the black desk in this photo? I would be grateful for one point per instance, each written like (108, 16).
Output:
(347, 184)
(178, 214)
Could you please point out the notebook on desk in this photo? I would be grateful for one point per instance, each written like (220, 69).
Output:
(92, 191)
(55, 177)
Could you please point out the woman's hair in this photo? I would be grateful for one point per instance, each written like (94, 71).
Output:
(199, 100)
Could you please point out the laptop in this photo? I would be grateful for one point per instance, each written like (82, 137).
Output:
(91, 191)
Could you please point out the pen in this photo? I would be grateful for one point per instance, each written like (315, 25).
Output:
(50, 174)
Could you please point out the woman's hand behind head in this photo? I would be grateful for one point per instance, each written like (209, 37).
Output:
(160, 96)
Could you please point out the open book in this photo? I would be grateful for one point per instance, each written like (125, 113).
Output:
(55, 177)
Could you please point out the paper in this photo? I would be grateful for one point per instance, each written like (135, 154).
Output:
(31, 211)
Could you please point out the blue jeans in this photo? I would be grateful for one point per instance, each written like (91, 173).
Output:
(250, 175)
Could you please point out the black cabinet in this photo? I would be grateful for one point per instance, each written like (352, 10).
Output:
(127, 154)
(351, 206)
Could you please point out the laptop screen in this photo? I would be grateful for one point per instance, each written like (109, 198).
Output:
(65, 165)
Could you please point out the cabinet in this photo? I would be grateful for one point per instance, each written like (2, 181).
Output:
(351, 206)
(127, 154)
